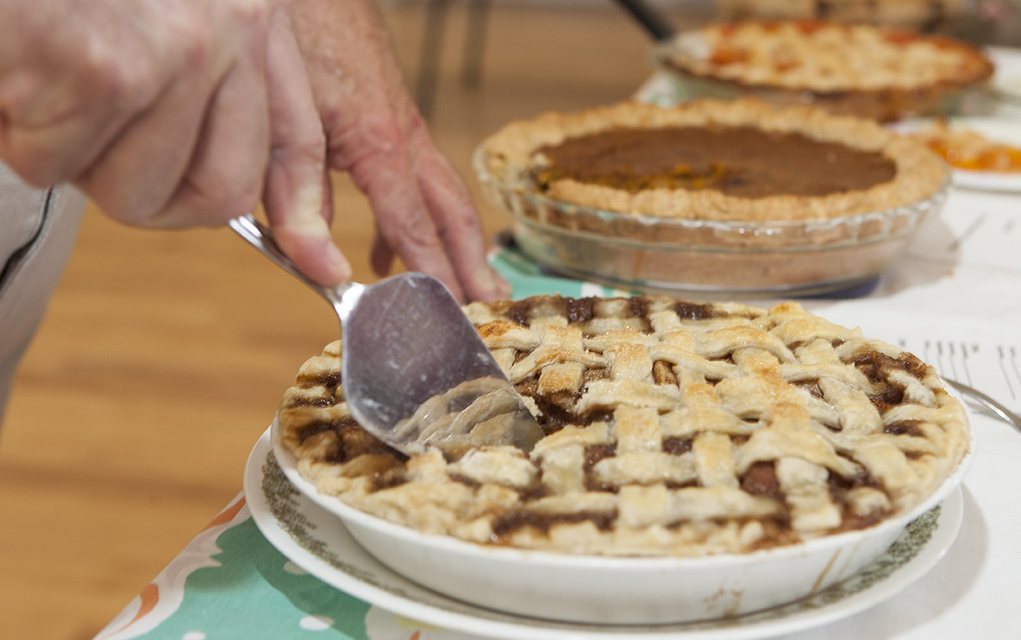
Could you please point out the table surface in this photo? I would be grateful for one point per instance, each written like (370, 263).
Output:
(954, 299)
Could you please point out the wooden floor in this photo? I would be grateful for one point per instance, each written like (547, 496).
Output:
(163, 355)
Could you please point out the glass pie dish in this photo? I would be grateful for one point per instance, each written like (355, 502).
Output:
(708, 257)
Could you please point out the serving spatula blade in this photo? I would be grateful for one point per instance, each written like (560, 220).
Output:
(415, 371)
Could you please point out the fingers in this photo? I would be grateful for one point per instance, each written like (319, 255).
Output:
(45, 141)
(70, 84)
(139, 170)
(423, 212)
(457, 223)
(403, 220)
(159, 112)
(224, 174)
(296, 196)
(187, 113)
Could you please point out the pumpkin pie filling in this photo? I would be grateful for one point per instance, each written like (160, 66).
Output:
(737, 161)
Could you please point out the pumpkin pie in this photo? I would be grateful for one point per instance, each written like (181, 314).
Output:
(741, 160)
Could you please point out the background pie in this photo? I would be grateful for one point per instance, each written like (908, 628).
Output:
(714, 160)
(864, 70)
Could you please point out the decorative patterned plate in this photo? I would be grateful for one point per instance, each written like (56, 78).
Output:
(318, 542)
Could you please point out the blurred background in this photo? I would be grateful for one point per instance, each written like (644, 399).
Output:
(163, 355)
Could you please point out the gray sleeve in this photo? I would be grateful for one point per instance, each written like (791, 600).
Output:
(37, 232)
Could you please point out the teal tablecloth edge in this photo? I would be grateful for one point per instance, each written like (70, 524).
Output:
(527, 278)
(230, 583)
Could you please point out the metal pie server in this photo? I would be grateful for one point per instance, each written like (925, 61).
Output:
(415, 371)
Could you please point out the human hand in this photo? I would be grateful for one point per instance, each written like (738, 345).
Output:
(169, 114)
(187, 112)
(374, 131)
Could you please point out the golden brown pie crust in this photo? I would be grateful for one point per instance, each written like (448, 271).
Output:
(512, 157)
(674, 428)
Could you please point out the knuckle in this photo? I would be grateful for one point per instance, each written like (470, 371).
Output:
(305, 144)
(417, 232)
(373, 135)
(130, 212)
(251, 15)
(382, 135)
(195, 44)
(223, 200)
(124, 82)
(187, 37)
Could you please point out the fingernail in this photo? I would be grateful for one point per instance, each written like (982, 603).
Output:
(337, 263)
(307, 219)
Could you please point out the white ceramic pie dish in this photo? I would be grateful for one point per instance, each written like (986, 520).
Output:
(709, 258)
(614, 590)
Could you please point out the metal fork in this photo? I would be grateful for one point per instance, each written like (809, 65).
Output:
(997, 408)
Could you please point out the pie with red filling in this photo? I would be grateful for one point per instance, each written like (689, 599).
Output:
(925, 15)
(870, 71)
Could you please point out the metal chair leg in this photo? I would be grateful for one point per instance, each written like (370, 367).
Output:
(475, 42)
(429, 60)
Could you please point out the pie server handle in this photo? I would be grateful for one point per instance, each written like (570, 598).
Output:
(415, 371)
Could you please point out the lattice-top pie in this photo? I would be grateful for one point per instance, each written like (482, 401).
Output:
(673, 428)
(854, 69)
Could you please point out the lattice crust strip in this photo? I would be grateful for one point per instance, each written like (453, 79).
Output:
(672, 428)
